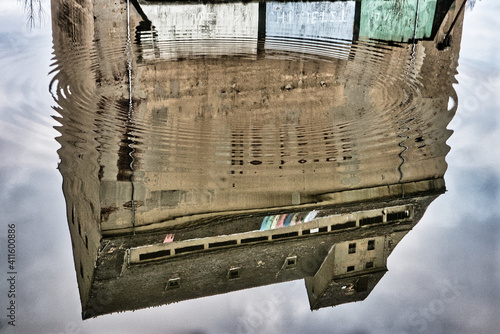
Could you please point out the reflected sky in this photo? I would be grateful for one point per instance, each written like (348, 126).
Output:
(443, 277)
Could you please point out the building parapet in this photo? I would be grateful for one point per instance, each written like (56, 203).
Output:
(401, 214)
(353, 196)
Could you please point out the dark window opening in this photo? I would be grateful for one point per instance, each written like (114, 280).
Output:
(371, 220)
(290, 262)
(79, 228)
(352, 248)
(222, 243)
(323, 229)
(81, 270)
(248, 240)
(285, 235)
(398, 215)
(154, 255)
(371, 244)
(174, 283)
(189, 249)
(86, 241)
(350, 268)
(369, 265)
(342, 226)
(233, 273)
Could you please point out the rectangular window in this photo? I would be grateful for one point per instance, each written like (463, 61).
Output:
(345, 225)
(369, 265)
(350, 268)
(352, 248)
(233, 273)
(173, 283)
(222, 243)
(254, 239)
(371, 244)
(371, 220)
(154, 255)
(189, 249)
(285, 235)
(398, 215)
(290, 262)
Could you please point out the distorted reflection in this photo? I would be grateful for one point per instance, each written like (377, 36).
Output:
(208, 148)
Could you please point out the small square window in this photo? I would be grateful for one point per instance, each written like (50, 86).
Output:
(352, 248)
(173, 283)
(369, 265)
(371, 244)
(290, 262)
(233, 273)
(350, 268)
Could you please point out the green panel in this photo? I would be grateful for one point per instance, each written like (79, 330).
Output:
(394, 20)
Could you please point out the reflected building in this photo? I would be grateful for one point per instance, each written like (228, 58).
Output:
(209, 148)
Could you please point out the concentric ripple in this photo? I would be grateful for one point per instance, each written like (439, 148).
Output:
(245, 106)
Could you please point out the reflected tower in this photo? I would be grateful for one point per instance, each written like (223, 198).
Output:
(202, 155)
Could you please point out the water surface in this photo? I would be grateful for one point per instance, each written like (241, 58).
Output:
(336, 114)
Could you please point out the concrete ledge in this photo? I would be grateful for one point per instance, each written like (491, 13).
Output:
(400, 190)
(336, 222)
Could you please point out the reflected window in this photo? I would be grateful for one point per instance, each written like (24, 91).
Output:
(233, 273)
(290, 262)
(371, 244)
(350, 268)
(173, 283)
(352, 248)
(369, 265)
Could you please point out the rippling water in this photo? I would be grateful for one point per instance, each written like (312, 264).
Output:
(233, 110)
(230, 114)
(215, 107)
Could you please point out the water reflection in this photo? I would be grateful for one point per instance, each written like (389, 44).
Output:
(216, 147)
(34, 12)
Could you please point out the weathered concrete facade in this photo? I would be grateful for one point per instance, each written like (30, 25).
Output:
(204, 147)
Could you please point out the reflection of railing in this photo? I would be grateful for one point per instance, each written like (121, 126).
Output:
(327, 224)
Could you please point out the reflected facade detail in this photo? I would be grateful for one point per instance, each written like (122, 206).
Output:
(209, 148)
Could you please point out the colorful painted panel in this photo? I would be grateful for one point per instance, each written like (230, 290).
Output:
(394, 20)
(284, 220)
